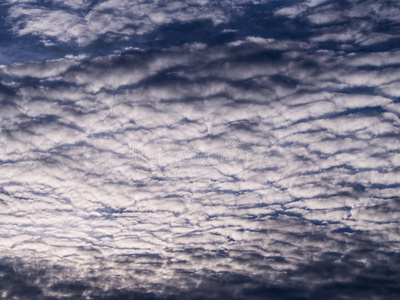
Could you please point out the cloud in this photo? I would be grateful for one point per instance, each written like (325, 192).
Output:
(257, 167)
(82, 22)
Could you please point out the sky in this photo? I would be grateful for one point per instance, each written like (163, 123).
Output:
(199, 149)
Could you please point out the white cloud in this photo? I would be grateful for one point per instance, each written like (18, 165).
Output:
(247, 158)
(120, 18)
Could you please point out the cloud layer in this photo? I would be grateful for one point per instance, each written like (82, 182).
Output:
(251, 163)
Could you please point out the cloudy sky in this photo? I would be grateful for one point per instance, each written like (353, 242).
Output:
(199, 149)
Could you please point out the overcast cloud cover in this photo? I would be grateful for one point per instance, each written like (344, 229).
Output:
(199, 149)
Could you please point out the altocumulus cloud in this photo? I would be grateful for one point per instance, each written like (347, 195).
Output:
(200, 150)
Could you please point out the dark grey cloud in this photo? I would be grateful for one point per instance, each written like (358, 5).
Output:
(243, 150)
